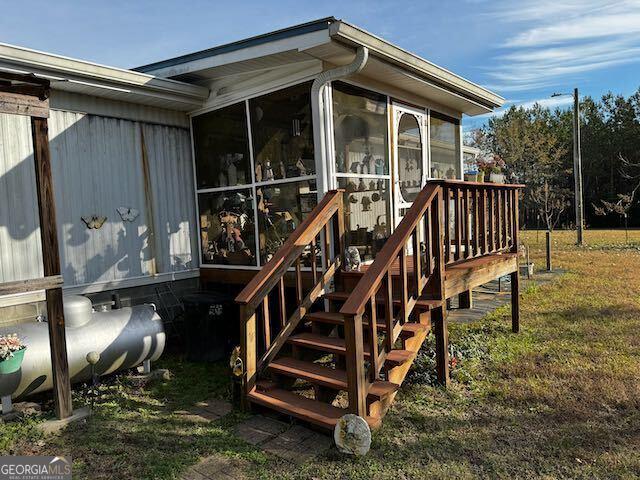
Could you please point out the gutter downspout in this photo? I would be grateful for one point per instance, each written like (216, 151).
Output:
(321, 138)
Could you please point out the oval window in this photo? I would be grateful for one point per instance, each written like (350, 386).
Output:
(409, 157)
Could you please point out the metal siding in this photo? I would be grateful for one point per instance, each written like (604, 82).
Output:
(97, 167)
(74, 102)
(20, 247)
(171, 172)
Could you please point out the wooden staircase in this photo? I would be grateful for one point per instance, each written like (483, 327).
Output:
(339, 342)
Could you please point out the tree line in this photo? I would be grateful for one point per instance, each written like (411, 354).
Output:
(536, 146)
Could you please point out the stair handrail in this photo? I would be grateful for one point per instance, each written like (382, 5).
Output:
(325, 221)
(386, 257)
(426, 208)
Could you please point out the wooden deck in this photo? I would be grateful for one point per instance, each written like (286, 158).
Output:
(366, 327)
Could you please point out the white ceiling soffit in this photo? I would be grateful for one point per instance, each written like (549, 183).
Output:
(92, 79)
(282, 50)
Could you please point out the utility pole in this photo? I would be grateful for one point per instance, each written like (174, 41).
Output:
(577, 168)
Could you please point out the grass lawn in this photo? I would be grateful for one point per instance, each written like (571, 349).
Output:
(559, 400)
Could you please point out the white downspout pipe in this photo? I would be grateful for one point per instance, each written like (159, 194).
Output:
(321, 138)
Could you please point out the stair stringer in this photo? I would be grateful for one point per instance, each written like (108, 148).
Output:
(398, 374)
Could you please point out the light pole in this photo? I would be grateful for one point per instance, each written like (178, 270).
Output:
(577, 166)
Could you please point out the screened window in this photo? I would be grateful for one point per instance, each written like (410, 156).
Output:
(367, 214)
(361, 130)
(221, 147)
(445, 144)
(227, 227)
(281, 208)
(282, 134)
(245, 217)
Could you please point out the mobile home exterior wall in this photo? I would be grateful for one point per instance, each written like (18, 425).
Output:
(98, 147)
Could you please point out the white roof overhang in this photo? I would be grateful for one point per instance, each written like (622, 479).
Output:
(102, 81)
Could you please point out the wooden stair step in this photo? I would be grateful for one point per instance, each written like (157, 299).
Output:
(337, 346)
(306, 409)
(409, 329)
(326, 376)
(421, 304)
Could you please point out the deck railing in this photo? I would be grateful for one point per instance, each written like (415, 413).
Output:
(482, 218)
(311, 244)
(449, 221)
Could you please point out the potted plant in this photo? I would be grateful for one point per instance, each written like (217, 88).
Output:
(471, 175)
(484, 167)
(11, 353)
(495, 172)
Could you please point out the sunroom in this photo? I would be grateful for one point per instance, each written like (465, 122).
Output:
(299, 112)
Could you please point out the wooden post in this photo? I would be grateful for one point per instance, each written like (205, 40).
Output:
(515, 301)
(515, 276)
(247, 352)
(465, 300)
(51, 262)
(440, 330)
(356, 379)
(439, 315)
(548, 251)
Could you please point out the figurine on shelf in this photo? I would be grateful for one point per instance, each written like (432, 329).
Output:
(302, 170)
(410, 164)
(258, 172)
(372, 185)
(355, 167)
(379, 166)
(362, 186)
(340, 162)
(366, 204)
(366, 164)
(352, 259)
(283, 173)
(268, 171)
(232, 171)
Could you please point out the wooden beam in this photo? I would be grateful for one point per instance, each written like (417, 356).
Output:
(31, 285)
(51, 263)
(25, 78)
(515, 301)
(19, 104)
(440, 330)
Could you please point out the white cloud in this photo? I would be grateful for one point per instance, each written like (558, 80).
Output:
(550, 102)
(558, 42)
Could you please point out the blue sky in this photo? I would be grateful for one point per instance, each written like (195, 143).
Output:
(523, 50)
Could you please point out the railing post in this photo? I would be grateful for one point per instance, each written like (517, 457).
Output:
(439, 315)
(247, 351)
(515, 276)
(356, 379)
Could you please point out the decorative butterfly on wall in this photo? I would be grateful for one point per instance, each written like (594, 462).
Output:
(94, 221)
(128, 214)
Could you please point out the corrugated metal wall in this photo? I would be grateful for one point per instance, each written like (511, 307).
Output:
(97, 167)
(20, 250)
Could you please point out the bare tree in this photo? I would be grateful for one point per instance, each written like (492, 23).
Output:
(625, 200)
(551, 203)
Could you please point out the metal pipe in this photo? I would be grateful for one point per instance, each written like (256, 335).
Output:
(321, 138)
